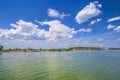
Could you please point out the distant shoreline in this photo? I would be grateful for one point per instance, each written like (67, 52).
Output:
(59, 49)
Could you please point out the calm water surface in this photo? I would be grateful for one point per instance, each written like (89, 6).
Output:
(82, 65)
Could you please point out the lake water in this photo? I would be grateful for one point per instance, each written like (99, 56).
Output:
(79, 65)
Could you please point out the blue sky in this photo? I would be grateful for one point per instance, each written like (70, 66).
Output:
(56, 24)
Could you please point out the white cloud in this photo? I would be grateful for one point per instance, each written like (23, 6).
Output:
(117, 29)
(114, 19)
(57, 30)
(110, 26)
(91, 10)
(28, 30)
(95, 21)
(85, 30)
(92, 22)
(55, 14)
(22, 29)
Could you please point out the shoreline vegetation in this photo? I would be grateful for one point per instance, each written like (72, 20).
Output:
(54, 49)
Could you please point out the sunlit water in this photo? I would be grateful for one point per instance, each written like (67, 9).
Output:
(80, 65)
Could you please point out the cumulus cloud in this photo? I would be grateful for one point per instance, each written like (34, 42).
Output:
(21, 29)
(91, 10)
(28, 30)
(85, 30)
(116, 28)
(55, 14)
(95, 21)
(110, 26)
(57, 30)
(113, 19)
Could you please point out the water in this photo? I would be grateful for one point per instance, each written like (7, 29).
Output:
(82, 65)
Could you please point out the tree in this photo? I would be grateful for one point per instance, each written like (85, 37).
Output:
(1, 47)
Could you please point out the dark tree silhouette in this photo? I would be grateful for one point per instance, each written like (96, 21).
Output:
(1, 47)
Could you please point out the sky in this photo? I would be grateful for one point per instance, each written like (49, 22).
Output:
(59, 23)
